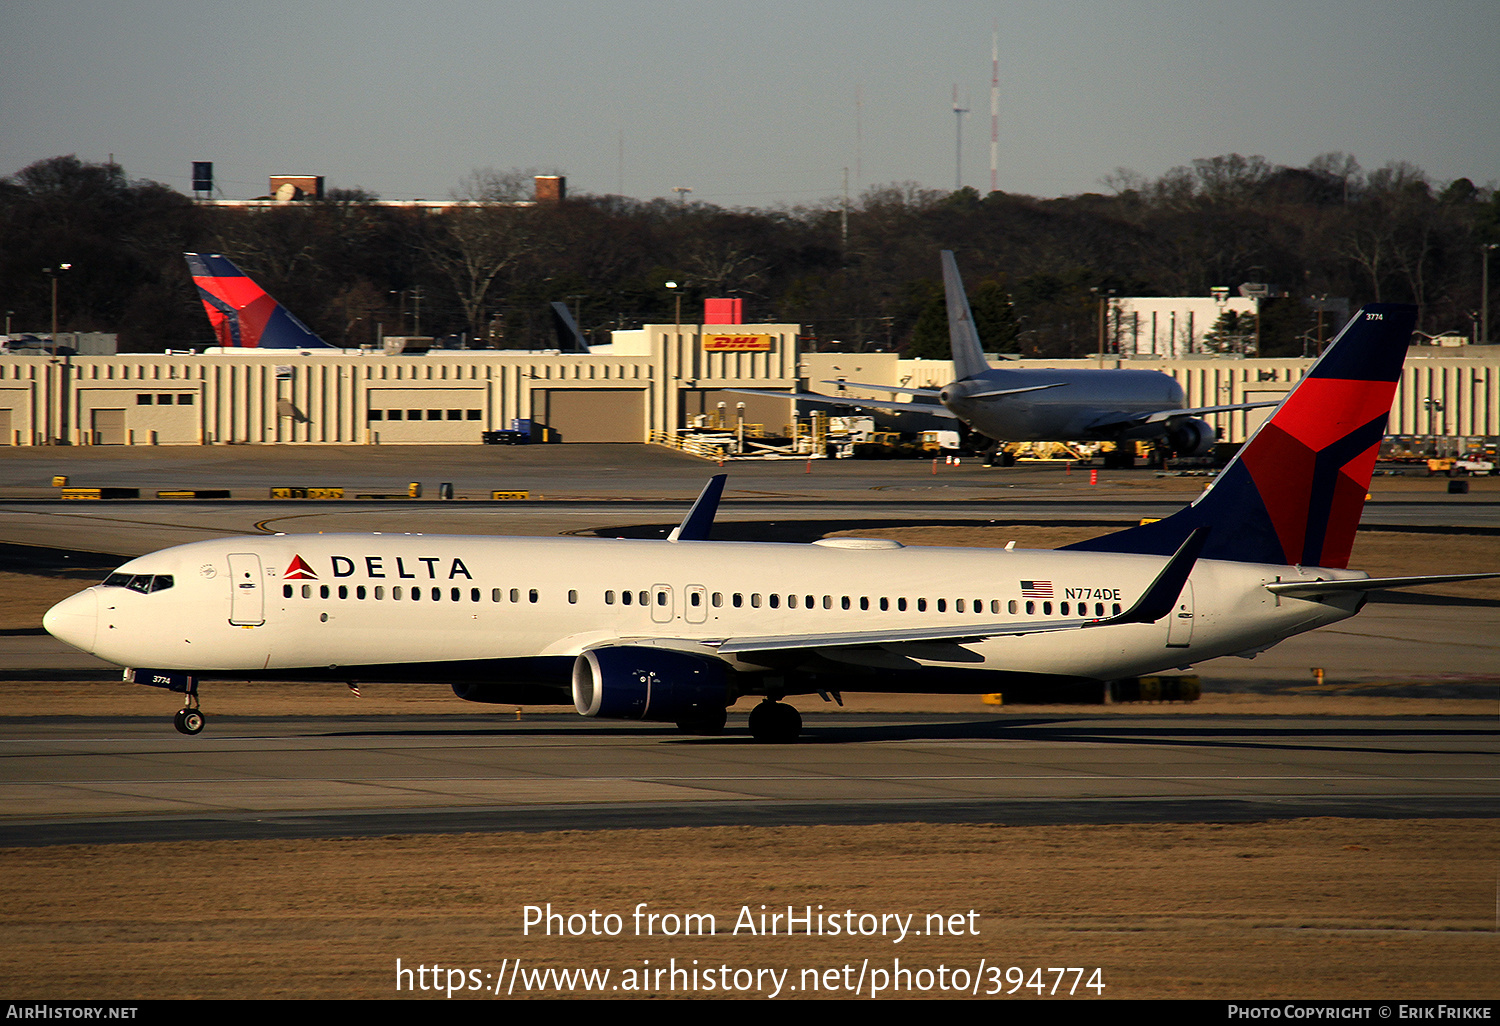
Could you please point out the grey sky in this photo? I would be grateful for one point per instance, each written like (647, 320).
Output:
(751, 104)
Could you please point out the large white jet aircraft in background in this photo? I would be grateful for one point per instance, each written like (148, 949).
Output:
(1017, 405)
(678, 630)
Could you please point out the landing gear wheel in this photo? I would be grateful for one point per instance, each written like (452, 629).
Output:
(707, 721)
(775, 723)
(188, 721)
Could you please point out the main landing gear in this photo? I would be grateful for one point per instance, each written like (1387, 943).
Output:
(775, 723)
(708, 721)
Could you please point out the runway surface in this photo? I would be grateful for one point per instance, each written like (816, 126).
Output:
(73, 780)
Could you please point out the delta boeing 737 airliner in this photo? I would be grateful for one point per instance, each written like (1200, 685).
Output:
(679, 630)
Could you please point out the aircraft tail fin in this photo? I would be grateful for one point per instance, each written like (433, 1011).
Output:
(1294, 493)
(968, 354)
(243, 315)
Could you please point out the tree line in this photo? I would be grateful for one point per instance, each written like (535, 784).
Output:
(862, 277)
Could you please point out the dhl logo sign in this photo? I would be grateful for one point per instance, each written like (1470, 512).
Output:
(737, 343)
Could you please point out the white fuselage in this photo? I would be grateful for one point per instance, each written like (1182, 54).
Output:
(338, 602)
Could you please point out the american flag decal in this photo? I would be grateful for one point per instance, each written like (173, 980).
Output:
(1036, 589)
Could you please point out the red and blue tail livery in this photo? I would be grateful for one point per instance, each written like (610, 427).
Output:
(1294, 494)
(242, 314)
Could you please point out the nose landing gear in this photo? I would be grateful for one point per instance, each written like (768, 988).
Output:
(189, 719)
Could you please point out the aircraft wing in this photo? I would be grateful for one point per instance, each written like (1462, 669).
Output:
(1156, 602)
(901, 389)
(1124, 420)
(873, 404)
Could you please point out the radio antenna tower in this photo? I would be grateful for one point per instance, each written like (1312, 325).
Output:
(995, 109)
(958, 116)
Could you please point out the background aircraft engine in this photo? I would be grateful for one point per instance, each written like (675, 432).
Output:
(640, 683)
(1189, 436)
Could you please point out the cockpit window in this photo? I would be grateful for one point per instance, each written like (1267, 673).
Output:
(143, 583)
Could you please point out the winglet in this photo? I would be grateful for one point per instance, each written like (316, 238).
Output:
(1159, 599)
(700, 519)
(968, 354)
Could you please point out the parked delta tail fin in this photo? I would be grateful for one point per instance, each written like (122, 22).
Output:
(1294, 493)
(242, 314)
(968, 354)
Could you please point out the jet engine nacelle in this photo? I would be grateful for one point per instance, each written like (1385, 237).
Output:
(1189, 436)
(640, 683)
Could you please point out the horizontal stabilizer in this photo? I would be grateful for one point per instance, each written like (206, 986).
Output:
(1300, 588)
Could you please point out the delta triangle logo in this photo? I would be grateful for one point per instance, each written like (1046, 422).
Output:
(298, 570)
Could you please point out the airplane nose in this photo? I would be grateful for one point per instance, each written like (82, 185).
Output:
(75, 620)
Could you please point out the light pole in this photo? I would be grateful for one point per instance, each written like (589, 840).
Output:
(64, 400)
(51, 272)
(669, 418)
(1484, 290)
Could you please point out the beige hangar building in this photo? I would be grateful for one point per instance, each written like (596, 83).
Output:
(657, 378)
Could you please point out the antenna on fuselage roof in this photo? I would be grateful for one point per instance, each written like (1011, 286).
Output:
(700, 519)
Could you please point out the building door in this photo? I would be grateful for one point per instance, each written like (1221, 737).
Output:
(109, 427)
(247, 603)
